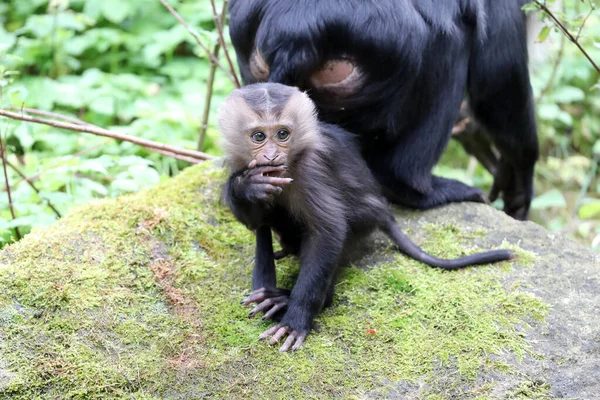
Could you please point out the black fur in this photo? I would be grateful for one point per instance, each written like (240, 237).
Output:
(418, 59)
(332, 203)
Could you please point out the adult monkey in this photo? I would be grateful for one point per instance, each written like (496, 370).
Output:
(395, 72)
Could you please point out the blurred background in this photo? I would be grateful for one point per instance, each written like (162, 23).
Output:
(130, 66)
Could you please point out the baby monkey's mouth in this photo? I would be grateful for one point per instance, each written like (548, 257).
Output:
(281, 171)
(278, 174)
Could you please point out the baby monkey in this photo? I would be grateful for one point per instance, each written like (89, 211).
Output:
(306, 181)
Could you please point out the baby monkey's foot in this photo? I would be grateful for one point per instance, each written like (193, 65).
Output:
(295, 338)
(271, 301)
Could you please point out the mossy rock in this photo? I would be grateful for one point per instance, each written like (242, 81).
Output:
(139, 297)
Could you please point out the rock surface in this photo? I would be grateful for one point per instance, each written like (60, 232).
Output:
(139, 297)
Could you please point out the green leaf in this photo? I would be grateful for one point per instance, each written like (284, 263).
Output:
(69, 21)
(28, 220)
(568, 94)
(550, 199)
(103, 105)
(69, 95)
(93, 8)
(565, 118)
(23, 134)
(590, 210)
(7, 40)
(94, 187)
(548, 111)
(596, 148)
(116, 10)
(543, 34)
(129, 161)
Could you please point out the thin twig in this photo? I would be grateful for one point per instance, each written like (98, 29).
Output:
(555, 66)
(219, 22)
(106, 133)
(584, 20)
(562, 27)
(49, 115)
(76, 121)
(7, 185)
(231, 77)
(35, 189)
(83, 123)
(209, 87)
(586, 185)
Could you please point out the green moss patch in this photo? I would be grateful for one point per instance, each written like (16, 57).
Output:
(140, 297)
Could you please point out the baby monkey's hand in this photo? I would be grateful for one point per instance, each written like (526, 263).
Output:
(256, 184)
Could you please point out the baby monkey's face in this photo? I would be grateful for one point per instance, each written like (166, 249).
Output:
(270, 144)
(268, 124)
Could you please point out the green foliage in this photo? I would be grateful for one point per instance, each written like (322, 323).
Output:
(122, 65)
(569, 120)
(566, 87)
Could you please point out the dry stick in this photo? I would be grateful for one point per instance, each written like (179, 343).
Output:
(584, 20)
(24, 177)
(76, 121)
(106, 133)
(210, 83)
(564, 30)
(231, 77)
(219, 22)
(49, 115)
(7, 185)
(83, 123)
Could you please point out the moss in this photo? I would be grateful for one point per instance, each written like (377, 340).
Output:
(139, 297)
(531, 390)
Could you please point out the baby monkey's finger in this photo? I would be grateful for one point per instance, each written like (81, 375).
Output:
(271, 189)
(273, 180)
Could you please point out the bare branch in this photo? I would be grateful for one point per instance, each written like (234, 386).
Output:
(564, 30)
(106, 133)
(48, 114)
(7, 185)
(584, 21)
(231, 77)
(219, 23)
(209, 87)
(83, 123)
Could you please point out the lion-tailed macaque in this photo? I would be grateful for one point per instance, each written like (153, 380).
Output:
(306, 181)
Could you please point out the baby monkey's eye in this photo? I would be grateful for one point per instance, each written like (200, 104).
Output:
(258, 136)
(282, 134)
